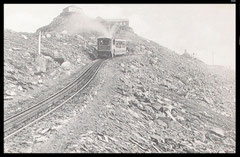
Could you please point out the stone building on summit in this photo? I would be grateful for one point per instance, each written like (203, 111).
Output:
(72, 8)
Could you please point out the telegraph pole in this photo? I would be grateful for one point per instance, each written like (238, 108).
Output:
(39, 43)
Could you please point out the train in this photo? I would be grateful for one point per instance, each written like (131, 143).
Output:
(110, 47)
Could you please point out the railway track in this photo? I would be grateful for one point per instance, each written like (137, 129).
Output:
(20, 121)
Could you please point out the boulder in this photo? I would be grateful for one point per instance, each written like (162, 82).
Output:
(217, 131)
(66, 65)
(16, 49)
(161, 123)
(44, 131)
(8, 97)
(206, 114)
(20, 88)
(12, 85)
(132, 100)
(156, 106)
(140, 106)
(48, 35)
(79, 60)
(64, 32)
(95, 93)
(24, 36)
(138, 94)
(160, 115)
(174, 112)
(59, 60)
(90, 43)
(208, 100)
(148, 109)
(27, 55)
(40, 81)
(159, 101)
(34, 83)
(166, 99)
(48, 58)
(221, 151)
(10, 93)
(41, 139)
(180, 118)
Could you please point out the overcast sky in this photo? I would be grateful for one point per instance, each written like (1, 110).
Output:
(200, 28)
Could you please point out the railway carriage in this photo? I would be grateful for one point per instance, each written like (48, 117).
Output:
(108, 47)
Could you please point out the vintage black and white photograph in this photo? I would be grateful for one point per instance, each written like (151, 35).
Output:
(119, 78)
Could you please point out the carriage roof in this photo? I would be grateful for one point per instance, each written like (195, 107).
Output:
(102, 37)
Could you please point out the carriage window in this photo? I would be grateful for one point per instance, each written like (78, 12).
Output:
(104, 42)
(118, 45)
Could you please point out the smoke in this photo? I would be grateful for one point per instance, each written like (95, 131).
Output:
(112, 30)
(80, 23)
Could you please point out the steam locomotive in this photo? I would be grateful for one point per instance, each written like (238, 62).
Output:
(109, 47)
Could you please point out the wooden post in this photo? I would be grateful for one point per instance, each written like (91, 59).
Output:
(39, 43)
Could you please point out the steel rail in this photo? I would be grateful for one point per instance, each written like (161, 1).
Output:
(58, 94)
(26, 113)
(83, 80)
(49, 96)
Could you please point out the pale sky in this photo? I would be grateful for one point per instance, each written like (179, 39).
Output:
(200, 28)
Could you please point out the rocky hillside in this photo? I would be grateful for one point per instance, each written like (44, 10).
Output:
(152, 100)
(26, 71)
(135, 105)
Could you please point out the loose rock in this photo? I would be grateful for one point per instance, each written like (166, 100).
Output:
(66, 65)
(24, 36)
(10, 93)
(217, 131)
